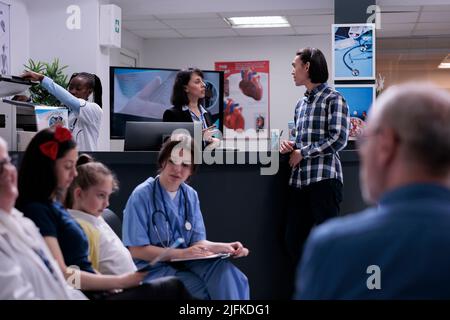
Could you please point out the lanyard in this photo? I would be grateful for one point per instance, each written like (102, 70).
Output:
(202, 118)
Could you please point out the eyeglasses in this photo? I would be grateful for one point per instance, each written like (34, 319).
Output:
(3, 163)
(7, 161)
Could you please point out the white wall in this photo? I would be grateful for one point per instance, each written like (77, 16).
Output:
(134, 43)
(131, 43)
(50, 37)
(280, 51)
(19, 36)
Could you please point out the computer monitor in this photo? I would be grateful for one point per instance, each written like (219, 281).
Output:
(143, 94)
(149, 136)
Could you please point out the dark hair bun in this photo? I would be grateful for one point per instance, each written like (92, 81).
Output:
(84, 158)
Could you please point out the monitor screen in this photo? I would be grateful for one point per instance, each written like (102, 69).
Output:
(143, 94)
(149, 136)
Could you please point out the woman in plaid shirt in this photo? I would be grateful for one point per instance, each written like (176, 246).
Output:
(322, 122)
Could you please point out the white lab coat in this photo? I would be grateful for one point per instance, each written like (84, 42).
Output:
(23, 273)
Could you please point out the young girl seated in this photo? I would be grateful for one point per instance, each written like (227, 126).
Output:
(87, 198)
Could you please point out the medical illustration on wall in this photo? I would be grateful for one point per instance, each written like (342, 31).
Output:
(353, 48)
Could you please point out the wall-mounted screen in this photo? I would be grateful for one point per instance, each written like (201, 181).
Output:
(143, 94)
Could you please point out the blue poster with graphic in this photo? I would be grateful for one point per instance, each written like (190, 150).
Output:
(353, 51)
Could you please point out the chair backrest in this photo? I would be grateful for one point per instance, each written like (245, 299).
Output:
(113, 221)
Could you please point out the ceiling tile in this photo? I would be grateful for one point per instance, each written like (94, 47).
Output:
(166, 33)
(187, 16)
(311, 11)
(207, 33)
(399, 8)
(393, 34)
(143, 24)
(312, 20)
(399, 17)
(437, 32)
(313, 29)
(137, 16)
(436, 8)
(396, 27)
(433, 26)
(434, 16)
(264, 31)
(196, 23)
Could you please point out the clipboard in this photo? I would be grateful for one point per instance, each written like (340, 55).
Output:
(213, 256)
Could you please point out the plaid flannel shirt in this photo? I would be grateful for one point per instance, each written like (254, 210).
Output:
(322, 122)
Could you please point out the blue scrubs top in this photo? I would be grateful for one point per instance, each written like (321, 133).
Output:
(169, 217)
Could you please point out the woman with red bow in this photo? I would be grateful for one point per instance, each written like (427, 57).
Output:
(47, 170)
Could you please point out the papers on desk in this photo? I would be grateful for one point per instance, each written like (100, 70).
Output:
(11, 85)
(213, 256)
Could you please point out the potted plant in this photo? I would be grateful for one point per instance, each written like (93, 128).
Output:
(52, 70)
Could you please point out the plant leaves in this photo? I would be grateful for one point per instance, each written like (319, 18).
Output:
(52, 70)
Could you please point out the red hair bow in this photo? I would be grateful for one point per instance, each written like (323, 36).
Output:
(50, 148)
(62, 134)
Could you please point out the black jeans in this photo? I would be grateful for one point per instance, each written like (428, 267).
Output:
(307, 207)
(165, 288)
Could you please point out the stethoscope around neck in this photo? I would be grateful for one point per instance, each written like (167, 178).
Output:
(187, 223)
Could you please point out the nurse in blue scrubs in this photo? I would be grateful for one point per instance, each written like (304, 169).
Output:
(164, 209)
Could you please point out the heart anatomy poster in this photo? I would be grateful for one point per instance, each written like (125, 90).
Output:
(246, 97)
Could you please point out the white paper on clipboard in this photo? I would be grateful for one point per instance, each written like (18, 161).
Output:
(213, 256)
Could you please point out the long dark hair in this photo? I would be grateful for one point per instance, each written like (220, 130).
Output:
(318, 69)
(179, 96)
(94, 83)
(37, 177)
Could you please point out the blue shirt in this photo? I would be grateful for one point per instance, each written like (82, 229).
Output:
(54, 221)
(322, 123)
(194, 117)
(407, 237)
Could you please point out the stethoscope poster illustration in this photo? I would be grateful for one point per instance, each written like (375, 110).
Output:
(354, 51)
